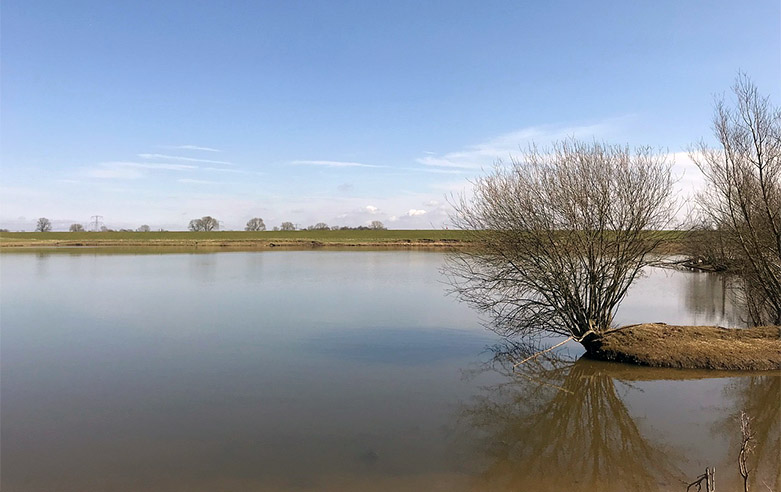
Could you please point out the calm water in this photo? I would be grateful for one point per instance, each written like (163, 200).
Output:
(338, 371)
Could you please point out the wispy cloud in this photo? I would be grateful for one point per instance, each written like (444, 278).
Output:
(332, 164)
(508, 144)
(224, 170)
(115, 172)
(415, 212)
(152, 165)
(190, 147)
(433, 170)
(196, 181)
(132, 170)
(181, 158)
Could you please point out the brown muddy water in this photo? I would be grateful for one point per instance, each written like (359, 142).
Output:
(325, 370)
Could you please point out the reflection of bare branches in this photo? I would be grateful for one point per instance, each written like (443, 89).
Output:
(746, 446)
(709, 477)
(533, 432)
(759, 397)
(711, 297)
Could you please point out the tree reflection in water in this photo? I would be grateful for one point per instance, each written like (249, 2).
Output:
(760, 397)
(559, 425)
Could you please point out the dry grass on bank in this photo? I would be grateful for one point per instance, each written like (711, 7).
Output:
(694, 347)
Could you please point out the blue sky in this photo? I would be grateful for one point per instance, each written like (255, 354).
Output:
(342, 112)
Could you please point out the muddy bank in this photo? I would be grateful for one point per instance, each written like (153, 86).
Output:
(692, 347)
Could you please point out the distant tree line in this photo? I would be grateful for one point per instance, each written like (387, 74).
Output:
(209, 224)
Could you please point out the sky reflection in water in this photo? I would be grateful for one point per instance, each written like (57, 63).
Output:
(330, 371)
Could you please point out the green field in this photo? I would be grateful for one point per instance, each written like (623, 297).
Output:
(184, 237)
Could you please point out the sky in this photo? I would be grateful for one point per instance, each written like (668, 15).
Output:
(343, 112)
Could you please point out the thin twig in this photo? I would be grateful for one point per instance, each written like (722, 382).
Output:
(541, 352)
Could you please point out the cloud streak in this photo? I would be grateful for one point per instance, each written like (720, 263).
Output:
(196, 181)
(182, 159)
(332, 164)
(190, 147)
(508, 144)
(132, 170)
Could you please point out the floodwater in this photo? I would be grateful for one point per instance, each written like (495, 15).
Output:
(325, 370)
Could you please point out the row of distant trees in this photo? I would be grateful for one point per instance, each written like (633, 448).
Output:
(208, 224)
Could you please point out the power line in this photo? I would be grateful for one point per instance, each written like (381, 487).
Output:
(96, 221)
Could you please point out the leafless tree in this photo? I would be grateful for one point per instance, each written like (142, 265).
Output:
(143, 228)
(255, 224)
(320, 226)
(43, 225)
(377, 225)
(560, 235)
(743, 196)
(204, 224)
(287, 226)
(76, 228)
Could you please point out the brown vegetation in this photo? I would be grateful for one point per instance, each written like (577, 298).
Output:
(693, 347)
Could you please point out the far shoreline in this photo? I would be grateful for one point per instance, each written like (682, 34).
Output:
(418, 239)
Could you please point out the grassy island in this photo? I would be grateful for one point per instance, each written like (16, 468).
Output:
(693, 347)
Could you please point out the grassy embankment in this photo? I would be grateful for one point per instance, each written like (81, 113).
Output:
(693, 347)
(239, 239)
(445, 239)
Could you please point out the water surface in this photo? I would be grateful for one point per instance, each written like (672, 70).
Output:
(323, 370)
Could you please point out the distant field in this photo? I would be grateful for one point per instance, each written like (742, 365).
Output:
(237, 240)
(228, 238)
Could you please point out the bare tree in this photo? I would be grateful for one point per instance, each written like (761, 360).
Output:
(204, 224)
(743, 196)
(143, 228)
(210, 224)
(560, 235)
(377, 225)
(287, 226)
(43, 225)
(76, 228)
(255, 224)
(320, 226)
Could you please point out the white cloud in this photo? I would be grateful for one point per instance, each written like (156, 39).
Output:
(415, 212)
(113, 172)
(432, 170)
(196, 181)
(150, 165)
(224, 170)
(181, 158)
(332, 164)
(190, 147)
(508, 144)
(371, 209)
(132, 170)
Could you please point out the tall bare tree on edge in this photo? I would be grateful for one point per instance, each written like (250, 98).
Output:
(742, 199)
